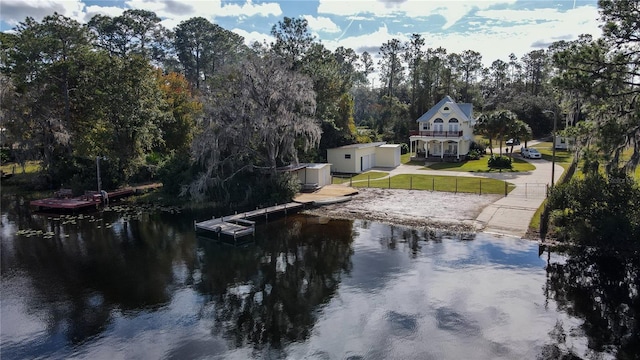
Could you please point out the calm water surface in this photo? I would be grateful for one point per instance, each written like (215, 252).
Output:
(139, 284)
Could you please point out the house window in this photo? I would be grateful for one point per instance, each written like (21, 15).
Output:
(347, 156)
(446, 108)
(452, 149)
(453, 125)
(425, 126)
(438, 125)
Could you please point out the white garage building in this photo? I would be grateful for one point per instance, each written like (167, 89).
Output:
(358, 158)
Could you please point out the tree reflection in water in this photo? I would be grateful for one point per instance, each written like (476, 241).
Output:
(92, 267)
(269, 293)
(602, 289)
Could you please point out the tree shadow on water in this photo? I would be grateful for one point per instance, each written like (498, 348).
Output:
(269, 294)
(601, 288)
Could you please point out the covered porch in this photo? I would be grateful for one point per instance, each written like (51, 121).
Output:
(439, 150)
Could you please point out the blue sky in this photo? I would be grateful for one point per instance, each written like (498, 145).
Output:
(495, 28)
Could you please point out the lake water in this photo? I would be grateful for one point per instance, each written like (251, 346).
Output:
(135, 283)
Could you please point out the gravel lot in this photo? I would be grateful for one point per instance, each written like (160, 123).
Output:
(416, 208)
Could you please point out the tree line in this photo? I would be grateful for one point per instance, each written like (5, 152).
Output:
(205, 113)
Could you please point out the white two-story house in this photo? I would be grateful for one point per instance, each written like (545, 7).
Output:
(445, 131)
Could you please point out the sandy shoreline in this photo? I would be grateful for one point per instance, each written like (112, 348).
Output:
(414, 208)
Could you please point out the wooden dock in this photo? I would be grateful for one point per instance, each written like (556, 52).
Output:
(239, 225)
(66, 203)
(63, 199)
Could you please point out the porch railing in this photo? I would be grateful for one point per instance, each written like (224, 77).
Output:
(445, 134)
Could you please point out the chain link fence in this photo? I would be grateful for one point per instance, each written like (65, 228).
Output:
(455, 184)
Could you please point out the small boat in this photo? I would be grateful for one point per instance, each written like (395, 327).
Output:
(333, 200)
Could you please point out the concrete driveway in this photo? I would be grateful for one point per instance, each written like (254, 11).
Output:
(512, 214)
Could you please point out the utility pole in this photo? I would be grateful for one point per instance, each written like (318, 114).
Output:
(98, 171)
(98, 158)
(553, 146)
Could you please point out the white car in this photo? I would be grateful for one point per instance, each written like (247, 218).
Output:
(524, 152)
(532, 154)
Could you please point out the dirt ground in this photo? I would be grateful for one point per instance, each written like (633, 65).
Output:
(415, 208)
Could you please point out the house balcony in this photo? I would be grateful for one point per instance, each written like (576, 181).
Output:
(436, 134)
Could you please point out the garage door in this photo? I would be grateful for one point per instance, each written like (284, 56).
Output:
(365, 163)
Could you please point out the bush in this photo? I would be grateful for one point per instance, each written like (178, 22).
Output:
(5, 155)
(480, 147)
(499, 162)
(597, 210)
(473, 155)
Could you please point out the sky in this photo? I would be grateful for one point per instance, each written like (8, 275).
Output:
(494, 28)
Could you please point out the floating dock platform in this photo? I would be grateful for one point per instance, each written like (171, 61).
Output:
(239, 225)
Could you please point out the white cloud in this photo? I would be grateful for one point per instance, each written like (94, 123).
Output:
(322, 24)
(493, 32)
(111, 11)
(578, 15)
(497, 42)
(496, 36)
(452, 11)
(249, 9)
(251, 37)
(15, 11)
(370, 42)
(361, 18)
(186, 9)
(171, 11)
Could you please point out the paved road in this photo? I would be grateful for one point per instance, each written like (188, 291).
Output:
(509, 215)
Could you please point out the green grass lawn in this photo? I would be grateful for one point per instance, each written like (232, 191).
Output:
(20, 182)
(480, 165)
(535, 220)
(406, 159)
(626, 155)
(30, 167)
(364, 176)
(440, 183)
(563, 157)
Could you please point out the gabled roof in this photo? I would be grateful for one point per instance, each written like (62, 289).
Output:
(464, 109)
(467, 109)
